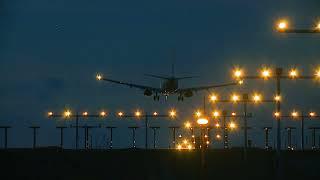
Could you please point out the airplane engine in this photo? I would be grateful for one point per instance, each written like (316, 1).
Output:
(147, 92)
(188, 94)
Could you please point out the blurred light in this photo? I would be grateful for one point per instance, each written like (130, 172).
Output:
(137, 113)
(103, 113)
(282, 25)
(217, 125)
(293, 73)
(277, 114)
(189, 147)
(50, 114)
(192, 136)
(187, 125)
(172, 113)
(202, 121)
(185, 141)
(180, 136)
(240, 82)
(312, 114)
(179, 147)
(265, 73)
(294, 114)
(218, 136)
(85, 114)
(216, 114)
(99, 77)
(256, 98)
(237, 73)
(317, 74)
(277, 98)
(208, 142)
(232, 125)
(155, 114)
(198, 114)
(235, 98)
(206, 136)
(233, 114)
(213, 98)
(120, 114)
(318, 26)
(67, 113)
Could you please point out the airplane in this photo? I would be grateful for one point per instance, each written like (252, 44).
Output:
(169, 86)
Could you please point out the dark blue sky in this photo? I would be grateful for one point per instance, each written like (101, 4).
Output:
(50, 52)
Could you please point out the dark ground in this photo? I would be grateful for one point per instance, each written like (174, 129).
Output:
(55, 164)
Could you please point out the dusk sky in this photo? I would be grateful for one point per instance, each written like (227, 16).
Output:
(50, 52)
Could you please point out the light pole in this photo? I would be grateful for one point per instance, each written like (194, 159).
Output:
(313, 129)
(34, 128)
(174, 128)
(266, 137)
(301, 116)
(133, 128)
(283, 27)
(146, 116)
(289, 137)
(61, 135)
(5, 135)
(67, 114)
(154, 128)
(276, 75)
(111, 135)
(86, 134)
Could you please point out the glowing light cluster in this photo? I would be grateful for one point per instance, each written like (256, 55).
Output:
(202, 121)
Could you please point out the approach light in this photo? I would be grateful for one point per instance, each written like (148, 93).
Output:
(293, 73)
(317, 74)
(137, 113)
(172, 113)
(216, 114)
(277, 98)
(312, 114)
(277, 114)
(318, 26)
(265, 73)
(217, 125)
(85, 113)
(202, 121)
(120, 114)
(218, 136)
(67, 114)
(208, 142)
(233, 114)
(294, 114)
(179, 147)
(185, 141)
(238, 73)
(213, 98)
(50, 114)
(198, 114)
(235, 98)
(103, 113)
(232, 125)
(187, 125)
(282, 25)
(256, 98)
(99, 77)
(155, 113)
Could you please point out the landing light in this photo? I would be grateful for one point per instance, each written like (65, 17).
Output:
(99, 77)
(282, 25)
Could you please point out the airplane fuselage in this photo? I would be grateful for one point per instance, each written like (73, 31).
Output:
(170, 86)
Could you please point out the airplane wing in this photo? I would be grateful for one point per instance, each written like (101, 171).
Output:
(200, 88)
(132, 85)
